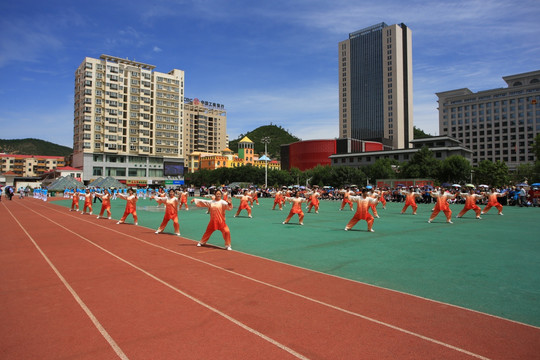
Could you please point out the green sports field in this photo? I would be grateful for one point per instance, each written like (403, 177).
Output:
(490, 265)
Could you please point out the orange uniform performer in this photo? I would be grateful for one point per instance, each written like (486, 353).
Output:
(183, 200)
(410, 200)
(105, 204)
(254, 197)
(88, 197)
(278, 200)
(296, 208)
(171, 212)
(442, 205)
(346, 195)
(492, 201)
(131, 206)
(470, 204)
(373, 206)
(314, 201)
(216, 208)
(75, 200)
(244, 199)
(362, 210)
(382, 198)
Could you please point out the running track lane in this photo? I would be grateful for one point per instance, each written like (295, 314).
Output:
(313, 329)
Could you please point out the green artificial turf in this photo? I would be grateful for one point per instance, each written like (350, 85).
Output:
(490, 265)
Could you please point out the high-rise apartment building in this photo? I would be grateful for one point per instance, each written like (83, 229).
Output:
(498, 124)
(205, 126)
(375, 85)
(128, 120)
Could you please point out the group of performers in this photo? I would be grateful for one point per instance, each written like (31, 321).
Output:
(220, 202)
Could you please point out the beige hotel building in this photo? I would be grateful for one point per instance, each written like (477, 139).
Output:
(205, 126)
(128, 121)
(498, 124)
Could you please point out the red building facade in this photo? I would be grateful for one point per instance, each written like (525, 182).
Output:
(310, 153)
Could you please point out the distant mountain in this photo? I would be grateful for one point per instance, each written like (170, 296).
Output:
(33, 147)
(278, 136)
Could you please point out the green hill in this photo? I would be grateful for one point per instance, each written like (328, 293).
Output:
(278, 136)
(33, 147)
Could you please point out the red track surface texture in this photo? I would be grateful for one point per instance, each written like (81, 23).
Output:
(80, 288)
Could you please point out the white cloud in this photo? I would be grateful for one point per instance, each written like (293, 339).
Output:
(157, 49)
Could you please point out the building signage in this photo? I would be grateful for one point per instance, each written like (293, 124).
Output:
(135, 182)
(174, 182)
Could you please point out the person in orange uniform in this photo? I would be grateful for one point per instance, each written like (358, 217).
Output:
(373, 206)
(492, 201)
(88, 197)
(346, 195)
(314, 201)
(75, 200)
(183, 199)
(410, 200)
(171, 212)
(217, 208)
(363, 203)
(105, 203)
(296, 208)
(470, 203)
(382, 197)
(442, 205)
(278, 200)
(254, 197)
(131, 206)
(244, 199)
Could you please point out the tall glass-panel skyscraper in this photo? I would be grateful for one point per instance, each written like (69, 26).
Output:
(375, 85)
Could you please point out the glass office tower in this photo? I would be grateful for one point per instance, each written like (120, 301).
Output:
(375, 85)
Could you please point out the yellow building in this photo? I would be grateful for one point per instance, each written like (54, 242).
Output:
(246, 149)
(272, 165)
(213, 162)
(210, 161)
(29, 165)
(194, 159)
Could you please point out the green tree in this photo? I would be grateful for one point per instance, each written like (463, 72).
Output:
(346, 175)
(319, 175)
(419, 133)
(422, 165)
(493, 174)
(278, 136)
(524, 172)
(454, 169)
(381, 169)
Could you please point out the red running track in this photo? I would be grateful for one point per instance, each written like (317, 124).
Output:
(80, 288)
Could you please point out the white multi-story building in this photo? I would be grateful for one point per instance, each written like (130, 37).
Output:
(498, 124)
(375, 85)
(128, 121)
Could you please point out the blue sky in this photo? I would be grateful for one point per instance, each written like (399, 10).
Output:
(268, 61)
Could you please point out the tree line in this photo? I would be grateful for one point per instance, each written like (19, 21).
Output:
(423, 164)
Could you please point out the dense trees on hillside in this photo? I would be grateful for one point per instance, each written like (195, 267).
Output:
(33, 147)
(278, 136)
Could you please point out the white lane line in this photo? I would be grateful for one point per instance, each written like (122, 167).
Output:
(379, 322)
(79, 301)
(200, 302)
